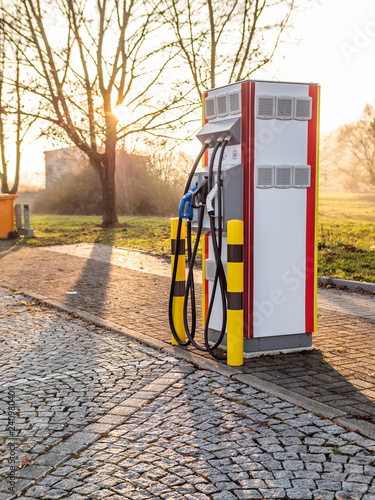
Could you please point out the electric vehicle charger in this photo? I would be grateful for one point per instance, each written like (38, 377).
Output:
(202, 199)
(262, 172)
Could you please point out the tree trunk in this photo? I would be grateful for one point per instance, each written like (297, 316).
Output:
(19, 126)
(4, 184)
(107, 170)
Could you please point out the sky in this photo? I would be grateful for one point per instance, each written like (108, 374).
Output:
(332, 43)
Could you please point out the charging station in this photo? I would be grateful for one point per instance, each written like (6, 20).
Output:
(260, 166)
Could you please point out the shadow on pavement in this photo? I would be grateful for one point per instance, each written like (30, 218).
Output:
(311, 375)
(7, 247)
(340, 372)
(88, 286)
(361, 305)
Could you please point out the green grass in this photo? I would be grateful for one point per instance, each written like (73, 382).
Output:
(151, 234)
(346, 234)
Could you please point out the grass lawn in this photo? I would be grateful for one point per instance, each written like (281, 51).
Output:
(346, 235)
(151, 234)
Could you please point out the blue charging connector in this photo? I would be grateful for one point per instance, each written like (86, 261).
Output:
(185, 210)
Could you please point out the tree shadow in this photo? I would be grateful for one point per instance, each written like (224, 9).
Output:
(354, 303)
(339, 372)
(7, 247)
(311, 375)
(90, 289)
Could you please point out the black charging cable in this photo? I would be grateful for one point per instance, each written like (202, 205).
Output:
(178, 239)
(220, 277)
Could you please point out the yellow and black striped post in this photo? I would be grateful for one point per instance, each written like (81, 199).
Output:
(179, 289)
(235, 293)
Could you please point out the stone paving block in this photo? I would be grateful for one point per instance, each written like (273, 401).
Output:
(304, 484)
(98, 428)
(77, 441)
(349, 449)
(135, 402)
(6, 496)
(359, 478)
(293, 465)
(55, 494)
(123, 410)
(186, 442)
(278, 483)
(224, 495)
(323, 495)
(111, 419)
(273, 493)
(32, 471)
(67, 484)
(313, 457)
(206, 488)
(252, 483)
(36, 491)
(299, 494)
(145, 395)
(345, 495)
(196, 496)
(247, 494)
(353, 487)
(328, 485)
(20, 485)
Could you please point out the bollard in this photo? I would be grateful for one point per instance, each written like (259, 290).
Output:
(25, 231)
(235, 293)
(204, 296)
(179, 290)
(18, 214)
(26, 216)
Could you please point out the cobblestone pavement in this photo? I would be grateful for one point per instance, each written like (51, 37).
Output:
(101, 416)
(118, 286)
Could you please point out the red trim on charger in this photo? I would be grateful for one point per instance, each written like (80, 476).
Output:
(245, 151)
(205, 305)
(251, 207)
(205, 121)
(311, 213)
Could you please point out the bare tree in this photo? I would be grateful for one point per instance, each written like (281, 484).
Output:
(85, 58)
(225, 42)
(356, 148)
(327, 159)
(13, 125)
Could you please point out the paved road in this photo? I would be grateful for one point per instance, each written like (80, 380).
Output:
(98, 415)
(130, 289)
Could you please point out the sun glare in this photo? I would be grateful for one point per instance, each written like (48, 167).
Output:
(122, 112)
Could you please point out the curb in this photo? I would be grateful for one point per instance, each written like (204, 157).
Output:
(351, 285)
(353, 424)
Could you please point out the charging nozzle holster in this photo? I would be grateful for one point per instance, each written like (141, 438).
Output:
(185, 210)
